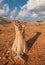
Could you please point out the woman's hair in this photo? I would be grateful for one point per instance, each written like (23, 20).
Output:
(20, 26)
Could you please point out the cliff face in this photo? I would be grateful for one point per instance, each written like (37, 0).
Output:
(35, 40)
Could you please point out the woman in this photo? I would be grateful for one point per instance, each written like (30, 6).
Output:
(19, 45)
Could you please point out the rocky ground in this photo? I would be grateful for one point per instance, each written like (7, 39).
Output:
(35, 40)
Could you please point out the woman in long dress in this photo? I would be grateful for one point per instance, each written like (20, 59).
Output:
(19, 45)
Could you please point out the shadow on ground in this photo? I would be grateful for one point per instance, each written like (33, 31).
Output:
(31, 41)
(29, 44)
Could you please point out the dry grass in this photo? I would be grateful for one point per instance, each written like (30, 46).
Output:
(35, 39)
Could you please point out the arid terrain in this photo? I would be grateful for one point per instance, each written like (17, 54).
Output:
(35, 40)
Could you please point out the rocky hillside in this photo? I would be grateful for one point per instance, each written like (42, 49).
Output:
(35, 40)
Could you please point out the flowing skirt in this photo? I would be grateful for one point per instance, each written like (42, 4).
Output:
(19, 45)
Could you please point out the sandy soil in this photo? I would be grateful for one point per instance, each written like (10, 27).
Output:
(35, 40)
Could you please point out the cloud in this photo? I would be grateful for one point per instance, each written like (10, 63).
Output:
(4, 10)
(13, 13)
(32, 10)
(22, 14)
(34, 14)
(1, 1)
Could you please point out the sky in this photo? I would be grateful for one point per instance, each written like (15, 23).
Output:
(25, 10)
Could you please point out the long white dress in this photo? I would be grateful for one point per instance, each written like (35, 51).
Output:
(19, 45)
